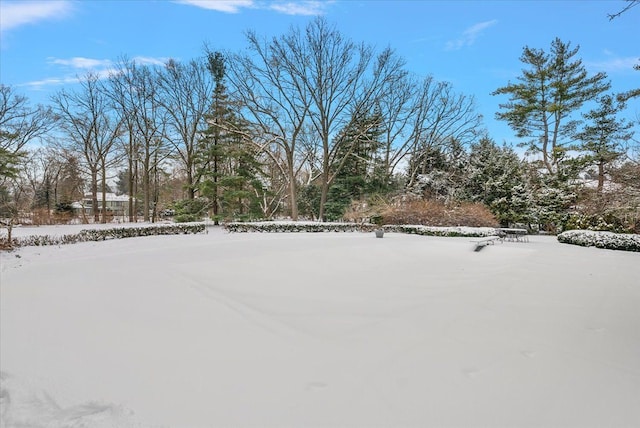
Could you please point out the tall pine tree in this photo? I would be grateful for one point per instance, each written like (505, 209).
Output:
(357, 170)
(603, 136)
(548, 94)
(229, 162)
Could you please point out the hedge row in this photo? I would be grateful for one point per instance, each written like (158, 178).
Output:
(301, 226)
(88, 235)
(608, 240)
(358, 227)
(462, 231)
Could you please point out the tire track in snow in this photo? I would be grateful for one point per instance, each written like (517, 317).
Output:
(249, 313)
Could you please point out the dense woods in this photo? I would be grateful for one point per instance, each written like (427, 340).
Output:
(312, 125)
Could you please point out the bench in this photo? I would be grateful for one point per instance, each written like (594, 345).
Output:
(489, 240)
(515, 235)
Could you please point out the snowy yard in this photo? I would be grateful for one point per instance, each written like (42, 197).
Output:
(319, 329)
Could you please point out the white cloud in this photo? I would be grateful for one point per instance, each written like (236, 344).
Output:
(469, 35)
(51, 81)
(300, 7)
(147, 60)
(306, 7)
(92, 64)
(77, 68)
(613, 65)
(82, 63)
(16, 14)
(228, 6)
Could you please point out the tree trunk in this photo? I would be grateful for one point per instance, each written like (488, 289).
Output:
(94, 196)
(156, 190)
(131, 189)
(9, 232)
(104, 194)
(215, 188)
(325, 178)
(293, 190)
(146, 188)
(293, 201)
(191, 190)
(323, 195)
(600, 177)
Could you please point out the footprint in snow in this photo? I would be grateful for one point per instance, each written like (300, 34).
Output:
(315, 386)
(471, 372)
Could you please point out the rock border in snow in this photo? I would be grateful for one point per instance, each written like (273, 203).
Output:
(607, 240)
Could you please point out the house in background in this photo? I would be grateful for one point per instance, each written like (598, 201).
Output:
(117, 205)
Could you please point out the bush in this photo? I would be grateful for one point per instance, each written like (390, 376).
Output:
(598, 222)
(275, 226)
(190, 210)
(608, 240)
(88, 235)
(461, 231)
(186, 218)
(434, 213)
(301, 226)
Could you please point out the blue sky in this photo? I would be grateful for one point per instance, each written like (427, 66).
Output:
(475, 45)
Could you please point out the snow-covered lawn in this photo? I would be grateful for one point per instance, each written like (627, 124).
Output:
(319, 329)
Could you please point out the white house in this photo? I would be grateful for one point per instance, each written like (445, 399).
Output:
(117, 205)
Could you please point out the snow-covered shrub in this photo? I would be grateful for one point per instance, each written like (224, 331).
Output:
(298, 226)
(597, 222)
(442, 231)
(275, 226)
(608, 240)
(88, 235)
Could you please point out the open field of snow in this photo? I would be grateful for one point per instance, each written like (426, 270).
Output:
(318, 330)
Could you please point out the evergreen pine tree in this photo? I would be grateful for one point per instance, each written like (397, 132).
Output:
(358, 167)
(211, 148)
(495, 177)
(229, 162)
(542, 104)
(603, 136)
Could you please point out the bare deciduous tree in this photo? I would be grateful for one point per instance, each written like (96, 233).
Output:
(92, 131)
(342, 81)
(442, 121)
(629, 5)
(20, 124)
(275, 103)
(133, 90)
(314, 81)
(185, 96)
